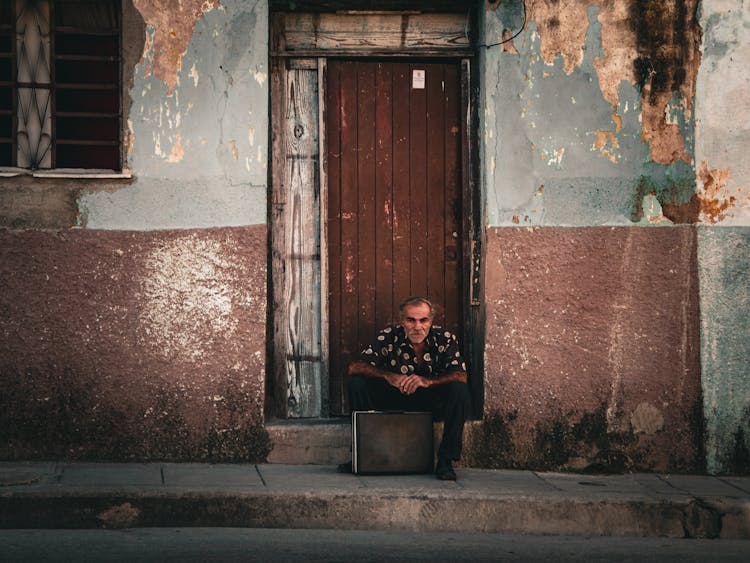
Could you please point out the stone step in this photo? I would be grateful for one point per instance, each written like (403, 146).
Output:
(324, 441)
(317, 441)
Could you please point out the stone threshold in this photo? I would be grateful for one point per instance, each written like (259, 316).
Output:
(323, 441)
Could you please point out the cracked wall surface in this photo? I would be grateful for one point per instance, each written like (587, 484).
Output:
(722, 135)
(198, 120)
(625, 114)
(592, 90)
(133, 310)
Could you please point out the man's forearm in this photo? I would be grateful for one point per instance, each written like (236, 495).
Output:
(450, 377)
(361, 367)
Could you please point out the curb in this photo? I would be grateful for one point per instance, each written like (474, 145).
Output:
(546, 515)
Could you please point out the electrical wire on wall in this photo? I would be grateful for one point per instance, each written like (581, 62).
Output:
(516, 34)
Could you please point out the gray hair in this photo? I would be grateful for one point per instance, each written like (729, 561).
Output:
(415, 300)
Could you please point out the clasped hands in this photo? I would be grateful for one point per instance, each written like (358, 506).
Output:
(407, 384)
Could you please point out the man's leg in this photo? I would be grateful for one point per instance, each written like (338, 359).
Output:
(367, 394)
(449, 403)
(455, 401)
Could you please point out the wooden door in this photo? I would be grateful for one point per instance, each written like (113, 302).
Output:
(393, 142)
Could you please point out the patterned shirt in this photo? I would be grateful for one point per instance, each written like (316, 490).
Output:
(393, 352)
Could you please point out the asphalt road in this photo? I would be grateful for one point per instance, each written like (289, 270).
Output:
(235, 544)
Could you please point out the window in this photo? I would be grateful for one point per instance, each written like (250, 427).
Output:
(60, 84)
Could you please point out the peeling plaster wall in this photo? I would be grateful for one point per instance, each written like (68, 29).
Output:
(133, 311)
(722, 105)
(198, 120)
(586, 120)
(621, 114)
(722, 138)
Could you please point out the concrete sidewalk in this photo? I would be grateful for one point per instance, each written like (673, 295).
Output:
(108, 495)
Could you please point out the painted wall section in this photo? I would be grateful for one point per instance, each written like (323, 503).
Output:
(629, 113)
(589, 113)
(123, 345)
(198, 120)
(725, 339)
(592, 350)
(723, 106)
(173, 22)
(722, 138)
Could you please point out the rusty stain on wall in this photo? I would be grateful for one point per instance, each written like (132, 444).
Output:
(714, 198)
(507, 45)
(562, 29)
(178, 151)
(668, 39)
(654, 45)
(606, 142)
(646, 419)
(173, 22)
(665, 139)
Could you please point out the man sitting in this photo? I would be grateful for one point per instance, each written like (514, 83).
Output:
(415, 366)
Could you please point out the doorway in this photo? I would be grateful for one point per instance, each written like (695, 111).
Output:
(372, 193)
(394, 200)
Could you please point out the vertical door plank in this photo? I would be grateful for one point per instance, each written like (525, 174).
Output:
(384, 194)
(366, 244)
(323, 233)
(435, 153)
(401, 212)
(453, 208)
(472, 226)
(333, 138)
(302, 213)
(349, 213)
(278, 384)
(418, 186)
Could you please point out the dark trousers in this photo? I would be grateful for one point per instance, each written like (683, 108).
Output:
(449, 403)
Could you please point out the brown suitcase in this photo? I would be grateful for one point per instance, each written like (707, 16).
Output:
(392, 442)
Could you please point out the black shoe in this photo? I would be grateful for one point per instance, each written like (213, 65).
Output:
(444, 470)
(344, 467)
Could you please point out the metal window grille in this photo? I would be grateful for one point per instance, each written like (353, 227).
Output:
(60, 84)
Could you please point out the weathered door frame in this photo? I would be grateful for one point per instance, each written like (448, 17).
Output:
(301, 44)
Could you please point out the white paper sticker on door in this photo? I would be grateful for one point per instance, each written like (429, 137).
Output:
(417, 79)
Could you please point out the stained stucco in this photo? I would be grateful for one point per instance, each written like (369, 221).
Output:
(198, 120)
(629, 113)
(722, 138)
(725, 346)
(133, 345)
(722, 105)
(592, 349)
(588, 117)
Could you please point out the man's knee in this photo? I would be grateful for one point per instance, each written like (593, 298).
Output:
(358, 391)
(457, 392)
(357, 383)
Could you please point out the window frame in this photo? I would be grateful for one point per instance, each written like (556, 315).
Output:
(113, 83)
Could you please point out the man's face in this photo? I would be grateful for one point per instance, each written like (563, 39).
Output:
(417, 321)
